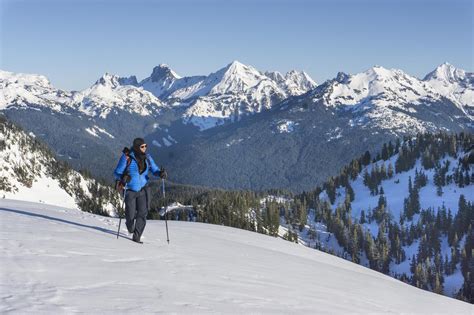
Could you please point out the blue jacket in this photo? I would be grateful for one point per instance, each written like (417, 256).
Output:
(137, 181)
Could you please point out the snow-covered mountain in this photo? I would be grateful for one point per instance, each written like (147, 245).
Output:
(227, 94)
(293, 82)
(271, 127)
(222, 96)
(113, 93)
(163, 82)
(377, 85)
(30, 172)
(60, 260)
(24, 90)
(454, 84)
(376, 96)
(384, 87)
(109, 94)
(391, 99)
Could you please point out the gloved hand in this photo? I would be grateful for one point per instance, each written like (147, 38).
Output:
(126, 178)
(163, 174)
(119, 186)
(162, 211)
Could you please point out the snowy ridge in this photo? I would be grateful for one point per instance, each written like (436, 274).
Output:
(222, 96)
(52, 256)
(379, 85)
(23, 90)
(389, 98)
(109, 94)
(383, 87)
(30, 172)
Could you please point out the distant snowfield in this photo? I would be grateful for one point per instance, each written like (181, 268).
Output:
(59, 260)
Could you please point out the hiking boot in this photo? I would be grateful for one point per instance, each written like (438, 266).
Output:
(136, 238)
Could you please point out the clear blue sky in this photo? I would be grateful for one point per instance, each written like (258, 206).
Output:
(74, 42)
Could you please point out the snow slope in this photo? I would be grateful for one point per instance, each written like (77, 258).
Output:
(30, 172)
(58, 260)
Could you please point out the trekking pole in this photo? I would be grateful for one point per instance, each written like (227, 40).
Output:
(166, 212)
(120, 217)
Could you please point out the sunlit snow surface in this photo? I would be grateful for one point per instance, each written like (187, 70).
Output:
(58, 260)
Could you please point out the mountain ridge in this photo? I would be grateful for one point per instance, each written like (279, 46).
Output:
(255, 139)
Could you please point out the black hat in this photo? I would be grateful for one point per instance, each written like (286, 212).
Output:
(137, 142)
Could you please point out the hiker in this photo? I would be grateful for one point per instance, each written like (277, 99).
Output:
(131, 175)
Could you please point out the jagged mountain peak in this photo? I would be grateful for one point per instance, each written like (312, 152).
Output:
(236, 68)
(275, 76)
(294, 82)
(298, 82)
(293, 73)
(446, 72)
(342, 77)
(108, 79)
(233, 78)
(163, 72)
(235, 65)
(454, 84)
(113, 80)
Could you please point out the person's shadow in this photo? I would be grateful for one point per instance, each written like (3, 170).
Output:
(47, 217)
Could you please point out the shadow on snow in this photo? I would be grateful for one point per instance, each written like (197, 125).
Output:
(97, 228)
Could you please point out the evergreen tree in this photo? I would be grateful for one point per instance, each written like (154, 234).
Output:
(366, 158)
(385, 154)
(390, 171)
(362, 219)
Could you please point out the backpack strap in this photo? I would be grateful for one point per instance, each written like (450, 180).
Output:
(126, 151)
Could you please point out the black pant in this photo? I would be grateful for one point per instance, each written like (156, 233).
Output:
(136, 210)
